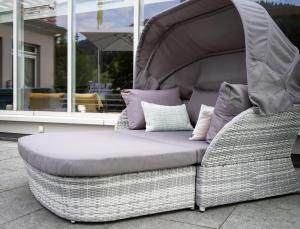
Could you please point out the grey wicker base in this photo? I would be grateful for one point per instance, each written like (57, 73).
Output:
(245, 181)
(112, 198)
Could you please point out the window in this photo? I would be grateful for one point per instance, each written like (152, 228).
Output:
(6, 60)
(43, 76)
(31, 56)
(96, 42)
(104, 54)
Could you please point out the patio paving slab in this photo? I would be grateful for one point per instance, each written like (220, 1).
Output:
(8, 153)
(9, 144)
(213, 217)
(266, 214)
(16, 203)
(13, 179)
(153, 222)
(11, 164)
(43, 219)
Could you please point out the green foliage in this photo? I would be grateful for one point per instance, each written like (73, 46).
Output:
(86, 66)
(60, 81)
(119, 71)
(290, 25)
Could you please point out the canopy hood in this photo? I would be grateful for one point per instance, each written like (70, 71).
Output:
(201, 43)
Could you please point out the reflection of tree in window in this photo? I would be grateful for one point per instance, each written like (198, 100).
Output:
(60, 81)
(116, 66)
(119, 71)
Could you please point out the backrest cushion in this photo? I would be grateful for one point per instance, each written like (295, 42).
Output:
(166, 118)
(134, 97)
(232, 100)
(203, 123)
(198, 98)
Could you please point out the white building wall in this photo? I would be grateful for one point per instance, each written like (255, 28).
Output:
(6, 34)
(47, 55)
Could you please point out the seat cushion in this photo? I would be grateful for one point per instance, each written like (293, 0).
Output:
(102, 153)
(176, 138)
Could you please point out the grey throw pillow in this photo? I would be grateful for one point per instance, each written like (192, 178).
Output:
(232, 100)
(134, 97)
(198, 98)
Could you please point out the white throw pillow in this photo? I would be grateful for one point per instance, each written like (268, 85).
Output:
(166, 118)
(202, 126)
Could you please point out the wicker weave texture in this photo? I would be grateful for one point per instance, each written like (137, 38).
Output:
(123, 121)
(249, 159)
(247, 181)
(252, 137)
(112, 198)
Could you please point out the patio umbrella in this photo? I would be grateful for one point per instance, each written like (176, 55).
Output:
(202, 43)
(109, 41)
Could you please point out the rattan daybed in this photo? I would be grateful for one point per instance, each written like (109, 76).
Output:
(111, 175)
(202, 43)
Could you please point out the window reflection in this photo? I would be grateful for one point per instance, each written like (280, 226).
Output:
(104, 45)
(6, 60)
(104, 58)
(43, 86)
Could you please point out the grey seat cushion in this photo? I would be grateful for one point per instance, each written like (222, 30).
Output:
(176, 138)
(102, 153)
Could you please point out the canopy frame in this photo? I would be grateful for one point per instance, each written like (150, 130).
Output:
(272, 62)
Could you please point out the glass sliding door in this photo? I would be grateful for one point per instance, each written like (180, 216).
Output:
(104, 54)
(6, 58)
(43, 74)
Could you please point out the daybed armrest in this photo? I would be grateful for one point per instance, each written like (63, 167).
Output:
(253, 137)
(123, 121)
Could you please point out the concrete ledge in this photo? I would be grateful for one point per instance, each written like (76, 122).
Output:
(104, 119)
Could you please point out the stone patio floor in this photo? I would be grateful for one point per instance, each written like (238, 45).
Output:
(19, 209)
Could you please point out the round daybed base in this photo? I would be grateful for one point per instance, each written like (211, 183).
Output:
(101, 199)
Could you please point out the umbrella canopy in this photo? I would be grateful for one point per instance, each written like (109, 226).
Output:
(111, 41)
(202, 43)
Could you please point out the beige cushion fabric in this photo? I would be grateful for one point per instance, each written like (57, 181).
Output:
(203, 123)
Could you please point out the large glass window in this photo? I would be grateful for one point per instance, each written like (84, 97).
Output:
(6, 59)
(104, 54)
(43, 78)
(103, 50)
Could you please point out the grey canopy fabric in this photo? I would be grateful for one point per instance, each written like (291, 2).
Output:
(202, 43)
